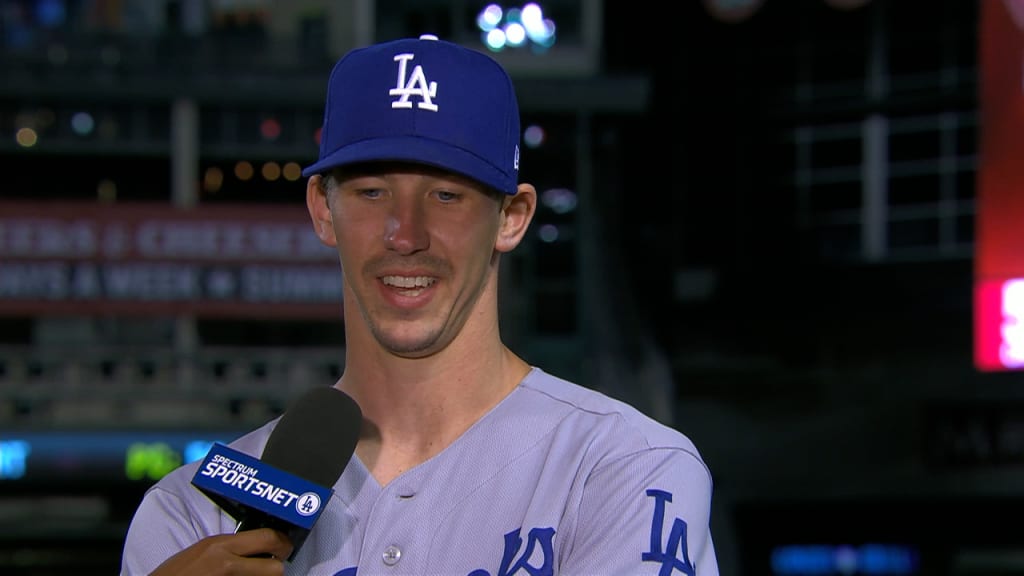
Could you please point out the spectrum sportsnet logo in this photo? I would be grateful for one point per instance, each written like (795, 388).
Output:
(247, 481)
(245, 478)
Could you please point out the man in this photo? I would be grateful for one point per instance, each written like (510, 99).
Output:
(470, 462)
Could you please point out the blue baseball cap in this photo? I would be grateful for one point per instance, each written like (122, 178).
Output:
(426, 101)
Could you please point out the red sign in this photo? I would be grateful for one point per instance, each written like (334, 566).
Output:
(155, 259)
(999, 237)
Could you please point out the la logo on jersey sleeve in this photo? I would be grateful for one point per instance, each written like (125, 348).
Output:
(665, 553)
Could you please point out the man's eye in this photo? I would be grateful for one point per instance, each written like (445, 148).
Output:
(371, 193)
(447, 196)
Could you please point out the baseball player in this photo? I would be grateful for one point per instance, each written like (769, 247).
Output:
(470, 461)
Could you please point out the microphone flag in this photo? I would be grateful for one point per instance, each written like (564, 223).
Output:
(240, 484)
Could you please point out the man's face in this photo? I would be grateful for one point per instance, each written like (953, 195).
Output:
(417, 249)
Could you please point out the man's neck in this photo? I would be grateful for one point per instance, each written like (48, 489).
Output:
(414, 408)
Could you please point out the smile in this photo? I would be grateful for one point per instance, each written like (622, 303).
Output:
(408, 285)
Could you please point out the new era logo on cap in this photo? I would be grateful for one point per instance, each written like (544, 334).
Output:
(426, 101)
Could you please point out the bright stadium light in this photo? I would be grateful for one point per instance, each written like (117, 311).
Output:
(515, 27)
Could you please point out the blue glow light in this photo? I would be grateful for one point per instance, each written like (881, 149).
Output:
(13, 458)
(196, 450)
(516, 27)
(489, 18)
(821, 559)
(515, 34)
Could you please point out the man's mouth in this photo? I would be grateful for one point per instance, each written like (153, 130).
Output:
(408, 285)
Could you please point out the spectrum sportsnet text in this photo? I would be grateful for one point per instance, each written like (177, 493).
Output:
(244, 478)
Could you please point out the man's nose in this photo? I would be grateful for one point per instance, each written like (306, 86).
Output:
(406, 230)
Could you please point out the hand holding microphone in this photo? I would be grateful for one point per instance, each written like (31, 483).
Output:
(277, 498)
(255, 553)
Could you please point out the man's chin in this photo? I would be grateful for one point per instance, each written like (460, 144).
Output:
(410, 347)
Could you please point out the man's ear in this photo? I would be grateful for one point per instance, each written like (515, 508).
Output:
(516, 213)
(319, 211)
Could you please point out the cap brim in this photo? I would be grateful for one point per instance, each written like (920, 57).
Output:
(420, 151)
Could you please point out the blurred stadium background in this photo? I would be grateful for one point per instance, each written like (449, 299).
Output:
(760, 224)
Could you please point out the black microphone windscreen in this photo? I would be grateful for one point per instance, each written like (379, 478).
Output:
(316, 436)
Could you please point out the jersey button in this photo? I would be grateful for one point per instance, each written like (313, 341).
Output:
(392, 554)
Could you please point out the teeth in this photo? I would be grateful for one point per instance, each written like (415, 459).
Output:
(408, 281)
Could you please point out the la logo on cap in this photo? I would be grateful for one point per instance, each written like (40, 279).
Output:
(416, 85)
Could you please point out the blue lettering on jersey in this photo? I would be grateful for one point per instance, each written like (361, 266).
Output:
(513, 543)
(347, 572)
(676, 540)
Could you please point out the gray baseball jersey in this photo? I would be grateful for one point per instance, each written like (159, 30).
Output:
(555, 479)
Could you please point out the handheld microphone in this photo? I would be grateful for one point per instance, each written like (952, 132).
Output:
(288, 486)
